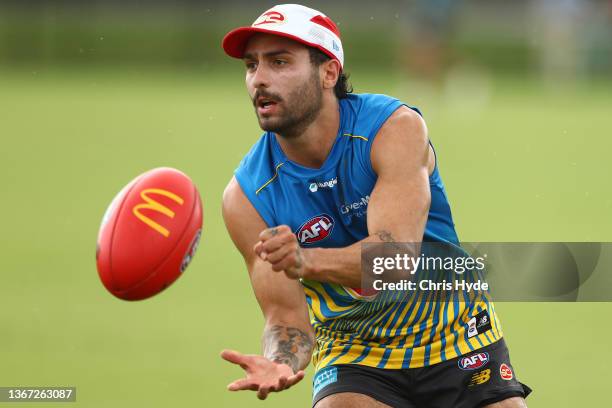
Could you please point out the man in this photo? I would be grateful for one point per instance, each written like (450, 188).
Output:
(334, 171)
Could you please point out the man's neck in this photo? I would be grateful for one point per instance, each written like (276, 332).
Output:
(313, 145)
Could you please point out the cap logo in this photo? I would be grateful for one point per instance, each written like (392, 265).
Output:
(269, 17)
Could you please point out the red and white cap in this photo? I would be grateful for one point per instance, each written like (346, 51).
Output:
(293, 21)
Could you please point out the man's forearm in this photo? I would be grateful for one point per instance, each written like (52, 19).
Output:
(335, 265)
(288, 345)
(341, 265)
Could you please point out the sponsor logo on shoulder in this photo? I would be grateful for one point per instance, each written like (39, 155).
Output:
(480, 377)
(505, 372)
(474, 361)
(479, 324)
(315, 229)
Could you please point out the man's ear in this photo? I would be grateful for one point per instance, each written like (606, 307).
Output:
(330, 72)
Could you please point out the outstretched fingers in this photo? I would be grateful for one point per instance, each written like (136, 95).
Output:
(263, 376)
(235, 357)
(282, 384)
(262, 392)
(243, 384)
(294, 379)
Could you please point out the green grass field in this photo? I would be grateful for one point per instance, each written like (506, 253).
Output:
(522, 162)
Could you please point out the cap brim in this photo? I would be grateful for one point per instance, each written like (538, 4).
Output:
(236, 40)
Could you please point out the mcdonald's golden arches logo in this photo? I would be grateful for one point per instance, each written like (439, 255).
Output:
(151, 204)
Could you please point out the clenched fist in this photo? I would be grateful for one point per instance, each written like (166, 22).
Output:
(280, 248)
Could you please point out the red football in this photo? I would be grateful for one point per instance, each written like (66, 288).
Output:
(149, 234)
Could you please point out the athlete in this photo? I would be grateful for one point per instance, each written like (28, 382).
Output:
(335, 170)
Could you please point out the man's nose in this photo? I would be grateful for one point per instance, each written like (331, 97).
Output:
(261, 77)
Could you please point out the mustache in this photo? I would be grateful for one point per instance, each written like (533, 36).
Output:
(268, 95)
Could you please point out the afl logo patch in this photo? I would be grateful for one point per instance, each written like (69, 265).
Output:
(315, 229)
(474, 361)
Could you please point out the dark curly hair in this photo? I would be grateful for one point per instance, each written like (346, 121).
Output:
(342, 87)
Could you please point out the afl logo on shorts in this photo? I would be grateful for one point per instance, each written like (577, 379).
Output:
(474, 361)
(315, 229)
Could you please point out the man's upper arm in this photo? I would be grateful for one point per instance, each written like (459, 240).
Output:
(402, 159)
(281, 299)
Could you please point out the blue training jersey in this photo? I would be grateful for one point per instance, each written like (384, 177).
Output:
(327, 207)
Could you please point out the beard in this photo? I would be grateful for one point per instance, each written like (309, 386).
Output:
(299, 109)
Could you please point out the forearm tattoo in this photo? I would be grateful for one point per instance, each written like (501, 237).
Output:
(385, 236)
(388, 239)
(287, 345)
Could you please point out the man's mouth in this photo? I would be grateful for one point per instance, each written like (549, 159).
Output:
(265, 105)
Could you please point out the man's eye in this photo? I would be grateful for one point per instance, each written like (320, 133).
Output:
(250, 65)
(279, 62)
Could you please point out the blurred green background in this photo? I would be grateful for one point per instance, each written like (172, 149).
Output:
(517, 96)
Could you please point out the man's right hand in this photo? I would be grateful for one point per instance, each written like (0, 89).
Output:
(262, 374)
(279, 247)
